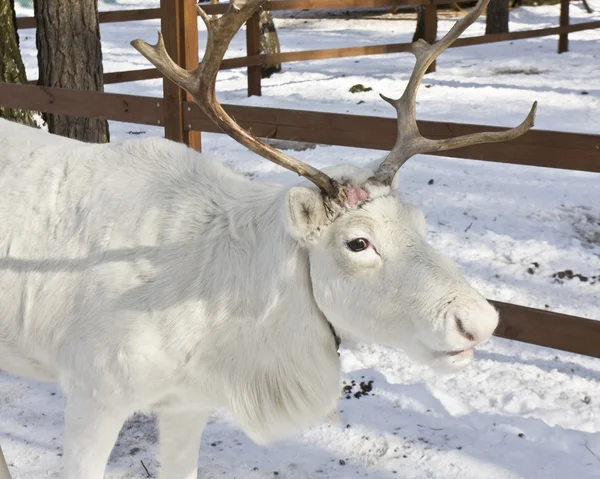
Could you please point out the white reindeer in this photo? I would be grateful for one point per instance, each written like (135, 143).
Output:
(144, 276)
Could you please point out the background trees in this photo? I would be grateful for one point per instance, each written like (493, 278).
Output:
(11, 63)
(70, 56)
(269, 41)
(496, 19)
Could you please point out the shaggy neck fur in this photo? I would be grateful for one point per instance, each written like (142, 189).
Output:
(277, 365)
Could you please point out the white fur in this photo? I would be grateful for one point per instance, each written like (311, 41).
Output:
(144, 276)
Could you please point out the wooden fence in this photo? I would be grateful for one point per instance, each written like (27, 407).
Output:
(183, 120)
(255, 59)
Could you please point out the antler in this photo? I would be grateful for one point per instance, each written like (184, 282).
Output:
(200, 83)
(409, 141)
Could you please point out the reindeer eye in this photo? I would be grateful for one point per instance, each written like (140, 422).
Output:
(358, 244)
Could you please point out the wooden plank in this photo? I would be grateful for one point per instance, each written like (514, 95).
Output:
(541, 32)
(106, 17)
(25, 22)
(347, 4)
(189, 52)
(125, 76)
(571, 151)
(131, 75)
(253, 49)
(563, 38)
(93, 104)
(544, 328)
(117, 16)
(314, 55)
(328, 53)
(325, 4)
(552, 149)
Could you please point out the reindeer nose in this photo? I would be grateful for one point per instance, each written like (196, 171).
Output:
(461, 329)
(477, 323)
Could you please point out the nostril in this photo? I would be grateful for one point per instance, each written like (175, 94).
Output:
(463, 331)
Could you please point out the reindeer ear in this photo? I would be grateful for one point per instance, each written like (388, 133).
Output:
(305, 213)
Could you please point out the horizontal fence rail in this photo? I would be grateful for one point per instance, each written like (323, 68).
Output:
(275, 5)
(278, 5)
(344, 52)
(91, 104)
(551, 149)
(323, 54)
(105, 17)
(552, 330)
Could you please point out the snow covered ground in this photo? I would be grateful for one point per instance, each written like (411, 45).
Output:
(519, 411)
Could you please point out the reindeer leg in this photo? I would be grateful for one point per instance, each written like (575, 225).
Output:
(179, 443)
(4, 473)
(91, 431)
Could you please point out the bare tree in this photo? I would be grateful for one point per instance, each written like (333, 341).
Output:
(70, 56)
(420, 29)
(496, 20)
(269, 41)
(12, 69)
(587, 6)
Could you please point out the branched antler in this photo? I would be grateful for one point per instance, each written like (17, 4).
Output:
(409, 141)
(200, 83)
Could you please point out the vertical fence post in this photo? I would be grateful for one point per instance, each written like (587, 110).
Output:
(563, 38)
(430, 33)
(179, 26)
(189, 38)
(253, 48)
(170, 13)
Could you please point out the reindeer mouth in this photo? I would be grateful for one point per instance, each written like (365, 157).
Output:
(456, 353)
(448, 361)
(460, 354)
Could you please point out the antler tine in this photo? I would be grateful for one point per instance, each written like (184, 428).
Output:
(200, 83)
(409, 141)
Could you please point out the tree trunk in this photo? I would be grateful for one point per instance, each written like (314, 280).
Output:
(426, 29)
(420, 28)
(496, 20)
(269, 41)
(12, 69)
(587, 7)
(70, 56)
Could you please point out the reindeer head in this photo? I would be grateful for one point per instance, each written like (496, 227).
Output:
(377, 279)
(374, 275)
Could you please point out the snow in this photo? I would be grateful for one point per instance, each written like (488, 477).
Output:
(519, 411)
